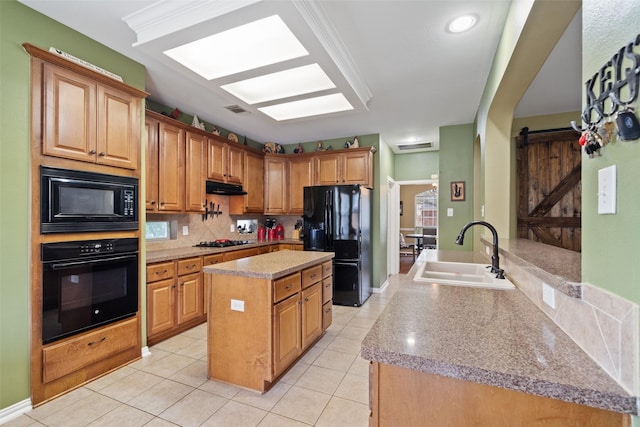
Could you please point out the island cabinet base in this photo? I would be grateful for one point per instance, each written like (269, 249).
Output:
(404, 397)
(258, 327)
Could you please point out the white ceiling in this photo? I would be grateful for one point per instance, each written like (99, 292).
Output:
(413, 75)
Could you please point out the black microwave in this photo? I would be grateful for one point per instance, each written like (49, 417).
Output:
(74, 201)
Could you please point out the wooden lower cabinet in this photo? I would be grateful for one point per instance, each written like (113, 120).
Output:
(327, 294)
(287, 344)
(175, 298)
(404, 397)
(258, 327)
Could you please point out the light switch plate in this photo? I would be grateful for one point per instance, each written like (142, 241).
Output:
(185, 230)
(449, 211)
(607, 190)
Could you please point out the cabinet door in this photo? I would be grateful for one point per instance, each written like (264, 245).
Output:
(160, 306)
(235, 164)
(275, 171)
(209, 260)
(195, 172)
(328, 169)
(286, 333)
(151, 131)
(69, 122)
(118, 139)
(356, 168)
(311, 314)
(254, 182)
(171, 168)
(300, 176)
(216, 160)
(190, 297)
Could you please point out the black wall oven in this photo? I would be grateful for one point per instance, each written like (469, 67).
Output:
(86, 284)
(77, 201)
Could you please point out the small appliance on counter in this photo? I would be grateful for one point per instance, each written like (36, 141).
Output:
(279, 232)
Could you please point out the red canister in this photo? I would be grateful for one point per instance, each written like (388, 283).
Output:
(271, 234)
(262, 234)
(279, 232)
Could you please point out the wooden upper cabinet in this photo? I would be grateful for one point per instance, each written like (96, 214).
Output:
(353, 166)
(216, 161)
(225, 162)
(151, 132)
(171, 167)
(300, 176)
(275, 181)
(253, 184)
(195, 172)
(328, 169)
(88, 121)
(235, 164)
(357, 168)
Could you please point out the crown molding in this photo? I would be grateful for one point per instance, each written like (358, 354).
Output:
(323, 29)
(168, 16)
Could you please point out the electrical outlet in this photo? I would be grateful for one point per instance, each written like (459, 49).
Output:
(607, 190)
(232, 228)
(237, 305)
(449, 211)
(487, 250)
(549, 295)
(185, 230)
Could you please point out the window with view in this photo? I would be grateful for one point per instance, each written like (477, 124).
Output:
(426, 205)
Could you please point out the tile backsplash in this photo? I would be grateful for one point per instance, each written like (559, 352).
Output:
(214, 227)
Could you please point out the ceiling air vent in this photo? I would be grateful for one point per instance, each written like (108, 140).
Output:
(419, 146)
(236, 109)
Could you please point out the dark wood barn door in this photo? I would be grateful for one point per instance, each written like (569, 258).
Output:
(549, 188)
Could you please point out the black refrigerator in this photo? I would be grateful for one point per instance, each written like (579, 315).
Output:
(337, 219)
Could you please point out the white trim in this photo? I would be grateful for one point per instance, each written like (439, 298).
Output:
(393, 227)
(381, 288)
(15, 410)
(145, 351)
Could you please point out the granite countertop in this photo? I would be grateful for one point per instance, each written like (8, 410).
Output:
(270, 266)
(190, 251)
(493, 337)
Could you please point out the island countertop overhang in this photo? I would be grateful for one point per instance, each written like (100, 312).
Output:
(273, 265)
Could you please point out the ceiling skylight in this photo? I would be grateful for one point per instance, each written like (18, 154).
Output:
(257, 44)
(283, 84)
(308, 107)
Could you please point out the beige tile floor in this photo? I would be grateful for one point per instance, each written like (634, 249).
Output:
(328, 386)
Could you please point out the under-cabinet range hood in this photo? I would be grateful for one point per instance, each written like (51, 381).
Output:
(224, 189)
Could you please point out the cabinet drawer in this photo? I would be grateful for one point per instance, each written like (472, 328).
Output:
(327, 268)
(212, 259)
(311, 275)
(189, 265)
(242, 253)
(286, 286)
(327, 311)
(69, 356)
(327, 289)
(161, 271)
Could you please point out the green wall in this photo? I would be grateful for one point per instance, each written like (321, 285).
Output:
(610, 244)
(19, 24)
(456, 164)
(416, 166)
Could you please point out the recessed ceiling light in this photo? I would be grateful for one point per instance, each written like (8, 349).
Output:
(257, 44)
(283, 84)
(462, 24)
(308, 107)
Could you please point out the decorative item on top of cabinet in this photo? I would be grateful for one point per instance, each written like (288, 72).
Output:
(84, 115)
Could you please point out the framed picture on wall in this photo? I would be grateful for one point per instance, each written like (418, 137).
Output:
(457, 191)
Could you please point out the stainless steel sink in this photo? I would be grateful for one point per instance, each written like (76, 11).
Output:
(460, 274)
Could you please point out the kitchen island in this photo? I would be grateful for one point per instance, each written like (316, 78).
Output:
(263, 313)
(469, 356)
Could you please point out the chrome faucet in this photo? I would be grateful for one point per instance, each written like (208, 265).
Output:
(495, 259)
